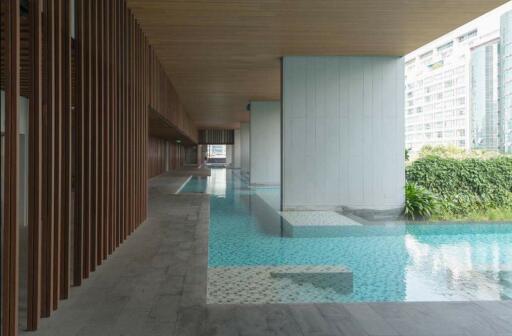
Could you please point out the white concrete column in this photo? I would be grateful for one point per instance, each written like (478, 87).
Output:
(265, 153)
(343, 133)
(229, 156)
(245, 147)
(237, 157)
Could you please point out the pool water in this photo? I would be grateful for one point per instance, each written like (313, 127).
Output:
(255, 256)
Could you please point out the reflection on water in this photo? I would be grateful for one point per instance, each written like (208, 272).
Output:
(216, 183)
(475, 266)
(393, 262)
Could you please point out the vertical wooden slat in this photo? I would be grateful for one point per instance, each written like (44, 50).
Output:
(115, 119)
(128, 96)
(107, 153)
(133, 131)
(79, 146)
(94, 134)
(87, 140)
(137, 127)
(67, 125)
(121, 118)
(103, 229)
(57, 173)
(10, 233)
(35, 171)
(129, 127)
(110, 128)
(49, 155)
(111, 135)
(102, 83)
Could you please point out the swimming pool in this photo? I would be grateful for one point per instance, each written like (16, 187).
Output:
(256, 256)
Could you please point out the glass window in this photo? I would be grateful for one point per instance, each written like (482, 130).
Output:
(460, 81)
(449, 134)
(448, 104)
(445, 46)
(468, 35)
(449, 73)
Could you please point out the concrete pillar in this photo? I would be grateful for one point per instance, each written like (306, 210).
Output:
(245, 147)
(237, 157)
(343, 134)
(229, 156)
(265, 134)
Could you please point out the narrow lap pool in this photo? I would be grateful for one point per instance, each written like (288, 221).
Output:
(257, 255)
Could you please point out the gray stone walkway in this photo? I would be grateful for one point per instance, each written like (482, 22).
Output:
(155, 284)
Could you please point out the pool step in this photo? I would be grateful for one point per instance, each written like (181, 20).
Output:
(505, 280)
(278, 284)
(335, 278)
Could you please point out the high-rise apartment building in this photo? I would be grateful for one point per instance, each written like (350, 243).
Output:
(452, 85)
(484, 114)
(505, 82)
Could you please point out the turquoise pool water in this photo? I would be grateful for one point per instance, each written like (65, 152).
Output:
(388, 262)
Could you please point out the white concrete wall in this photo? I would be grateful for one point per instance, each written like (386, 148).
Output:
(265, 143)
(245, 147)
(343, 133)
(237, 157)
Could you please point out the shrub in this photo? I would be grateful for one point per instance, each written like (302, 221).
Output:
(464, 186)
(419, 202)
(453, 152)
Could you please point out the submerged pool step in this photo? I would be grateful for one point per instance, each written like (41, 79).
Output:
(335, 278)
(279, 284)
(505, 280)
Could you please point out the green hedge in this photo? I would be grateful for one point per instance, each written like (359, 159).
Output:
(464, 186)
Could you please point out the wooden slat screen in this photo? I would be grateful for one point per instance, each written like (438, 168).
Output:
(163, 155)
(90, 155)
(216, 137)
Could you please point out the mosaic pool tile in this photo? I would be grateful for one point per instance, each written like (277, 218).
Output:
(278, 284)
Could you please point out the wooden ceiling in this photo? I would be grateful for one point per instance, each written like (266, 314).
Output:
(220, 54)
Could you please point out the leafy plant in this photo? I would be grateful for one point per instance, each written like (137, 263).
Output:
(407, 154)
(454, 152)
(419, 202)
(465, 186)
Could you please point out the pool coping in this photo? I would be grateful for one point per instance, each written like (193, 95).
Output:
(183, 185)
